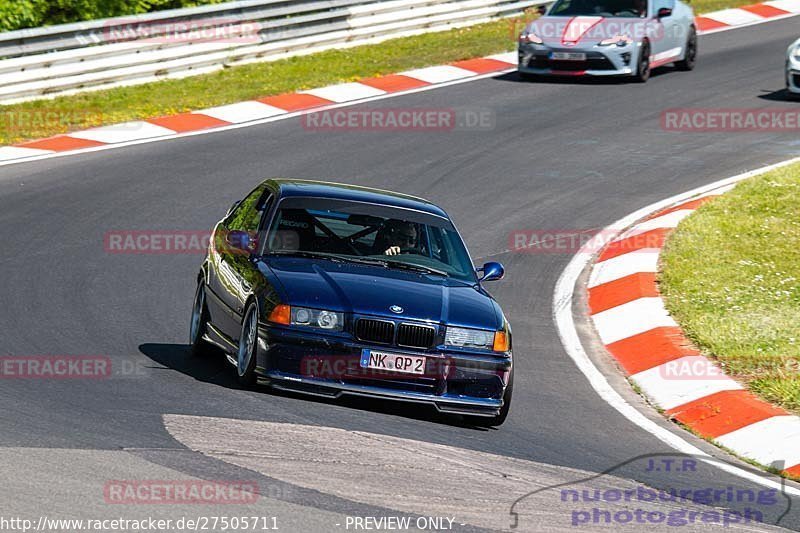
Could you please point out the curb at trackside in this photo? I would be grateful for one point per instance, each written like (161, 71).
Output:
(564, 298)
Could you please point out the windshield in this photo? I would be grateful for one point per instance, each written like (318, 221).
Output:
(599, 8)
(385, 236)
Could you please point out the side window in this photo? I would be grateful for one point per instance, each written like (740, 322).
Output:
(670, 4)
(561, 8)
(247, 214)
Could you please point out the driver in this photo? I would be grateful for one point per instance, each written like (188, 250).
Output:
(400, 236)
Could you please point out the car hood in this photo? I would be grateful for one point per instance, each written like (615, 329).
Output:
(586, 32)
(372, 290)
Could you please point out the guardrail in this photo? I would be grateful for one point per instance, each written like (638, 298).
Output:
(50, 61)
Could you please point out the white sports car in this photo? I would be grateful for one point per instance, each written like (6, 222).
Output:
(608, 38)
(793, 67)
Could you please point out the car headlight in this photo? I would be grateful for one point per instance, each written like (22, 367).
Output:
(477, 338)
(304, 316)
(528, 37)
(619, 40)
(796, 52)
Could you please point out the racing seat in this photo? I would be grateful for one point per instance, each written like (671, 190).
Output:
(295, 231)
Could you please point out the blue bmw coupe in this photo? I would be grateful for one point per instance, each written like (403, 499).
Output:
(334, 290)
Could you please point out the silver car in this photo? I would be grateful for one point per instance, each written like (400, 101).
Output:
(793, 68)
(608, 38)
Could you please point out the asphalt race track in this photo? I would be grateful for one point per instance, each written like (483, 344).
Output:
(558, 156)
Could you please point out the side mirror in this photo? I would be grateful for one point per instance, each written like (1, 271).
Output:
(664, 12)
(541, 9)
(492, 271)
(241, 241)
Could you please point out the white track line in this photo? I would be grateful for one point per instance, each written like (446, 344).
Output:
(567, 331)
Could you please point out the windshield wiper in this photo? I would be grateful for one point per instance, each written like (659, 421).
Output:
(401, 265)
(311, 255)
(386, 263)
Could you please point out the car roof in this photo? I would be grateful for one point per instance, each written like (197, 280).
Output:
(289, 187)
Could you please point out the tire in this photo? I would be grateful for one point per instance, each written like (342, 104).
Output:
(197, 327)
(690, 57)
(793, 97)
(499, 418)
(248, 347)
(527, 76)
(643, 64)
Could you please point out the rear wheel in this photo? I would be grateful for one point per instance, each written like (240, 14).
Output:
(197, 329)
(690, 57)
(643, 64)
(248, 344)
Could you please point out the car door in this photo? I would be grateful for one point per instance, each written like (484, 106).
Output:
(667, 31)
(233, 275)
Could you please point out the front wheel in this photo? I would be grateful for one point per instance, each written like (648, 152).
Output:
(197, 330)
(690, 57)
(499, 418)
(643, 65)
(248, 345)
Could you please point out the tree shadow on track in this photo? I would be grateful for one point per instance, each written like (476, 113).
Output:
(213, 369)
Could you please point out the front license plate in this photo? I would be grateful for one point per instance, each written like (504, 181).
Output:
(568, 56)
(408, 364)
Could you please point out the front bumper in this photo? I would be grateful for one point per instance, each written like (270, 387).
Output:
(329, 365)
(600, 61)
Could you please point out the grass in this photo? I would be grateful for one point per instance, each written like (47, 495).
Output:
(42, 118)
(707, 6)
(730, 276)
